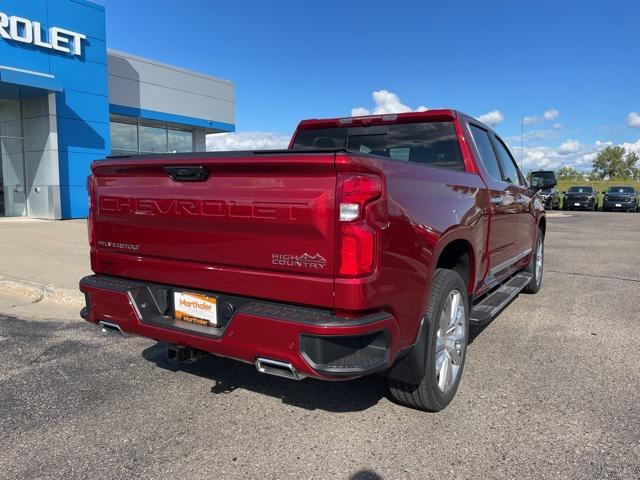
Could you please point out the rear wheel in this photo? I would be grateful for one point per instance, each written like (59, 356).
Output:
(536, 265)
(448, 323)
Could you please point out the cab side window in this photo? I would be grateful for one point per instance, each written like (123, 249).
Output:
(511, 174)
(485, 149)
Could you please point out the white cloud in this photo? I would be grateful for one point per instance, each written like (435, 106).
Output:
(570, 146)
(557, 126)
(571, 153)
(492, 118)
(532, 136)
(360, 112)
(246, 141)
(385, 102)
(632, 147)
(588, 157)
(550, 114)
(633, 120)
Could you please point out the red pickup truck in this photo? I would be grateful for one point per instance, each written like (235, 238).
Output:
(369, 246)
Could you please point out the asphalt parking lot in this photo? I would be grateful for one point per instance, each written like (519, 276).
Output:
(551, 390)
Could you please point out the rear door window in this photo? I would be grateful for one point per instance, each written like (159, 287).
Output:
(486, 151)
(511, 174)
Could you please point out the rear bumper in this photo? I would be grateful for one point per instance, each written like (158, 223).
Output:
(315, 342)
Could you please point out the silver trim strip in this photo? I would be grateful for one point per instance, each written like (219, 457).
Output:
(508, 263)
(30, 72)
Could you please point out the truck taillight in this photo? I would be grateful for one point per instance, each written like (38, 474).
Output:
(361, 213)
(90, 213)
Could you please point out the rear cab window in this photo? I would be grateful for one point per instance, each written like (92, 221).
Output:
(434, 144)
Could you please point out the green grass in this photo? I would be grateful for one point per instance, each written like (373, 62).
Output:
(600, 185)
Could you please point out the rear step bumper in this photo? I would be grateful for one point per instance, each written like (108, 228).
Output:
(312, 342)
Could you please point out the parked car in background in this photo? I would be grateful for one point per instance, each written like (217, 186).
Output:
(369, 246)
(580, 197)
(538, 177)
(620, 198)
(550, 198)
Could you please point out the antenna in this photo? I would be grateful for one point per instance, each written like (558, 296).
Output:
(521, 140)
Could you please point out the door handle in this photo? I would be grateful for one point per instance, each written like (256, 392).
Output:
(188, 173)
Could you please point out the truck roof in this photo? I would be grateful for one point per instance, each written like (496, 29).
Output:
(410, 117)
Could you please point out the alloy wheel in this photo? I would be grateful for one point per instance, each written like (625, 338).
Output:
(450, 341)
(539, 261)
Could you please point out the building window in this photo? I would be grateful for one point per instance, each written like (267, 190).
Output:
(180, 141)
(124, 137)
(153, 139)
(130, 137)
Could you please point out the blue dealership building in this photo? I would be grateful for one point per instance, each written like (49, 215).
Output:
(66, 100)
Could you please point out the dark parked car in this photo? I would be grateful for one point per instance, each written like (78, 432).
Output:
(620, 198)
(538, 177)
(550, 198)
(580, 197)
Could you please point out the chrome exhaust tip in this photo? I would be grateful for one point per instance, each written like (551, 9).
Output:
(110, 327)
(279, 369)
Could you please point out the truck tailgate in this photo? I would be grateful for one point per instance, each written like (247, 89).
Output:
(255, 213)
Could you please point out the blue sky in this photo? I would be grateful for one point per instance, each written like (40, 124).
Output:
(577, 61)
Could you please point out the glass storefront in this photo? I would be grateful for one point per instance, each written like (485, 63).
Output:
(130, 137)
(12, 166)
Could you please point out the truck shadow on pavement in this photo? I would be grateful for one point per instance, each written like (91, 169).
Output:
(310, 394)
(229, 375)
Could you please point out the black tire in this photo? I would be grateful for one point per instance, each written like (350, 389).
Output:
(427, 395)
(536, 282)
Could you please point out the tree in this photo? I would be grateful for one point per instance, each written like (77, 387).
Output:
(615, 162)
(632, 160)
(568, 173)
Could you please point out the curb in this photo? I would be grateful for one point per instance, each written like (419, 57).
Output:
(37, 292)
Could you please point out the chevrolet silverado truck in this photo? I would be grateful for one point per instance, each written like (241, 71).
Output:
(620, 198)
(580, 197)
(370, 245)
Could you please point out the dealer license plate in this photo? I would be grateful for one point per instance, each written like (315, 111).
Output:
(618, 205)
(577, 204)
(195, 308)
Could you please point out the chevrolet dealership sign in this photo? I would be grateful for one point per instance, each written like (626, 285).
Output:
(22, 30)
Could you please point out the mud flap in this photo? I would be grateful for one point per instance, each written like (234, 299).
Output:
(411, 367)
